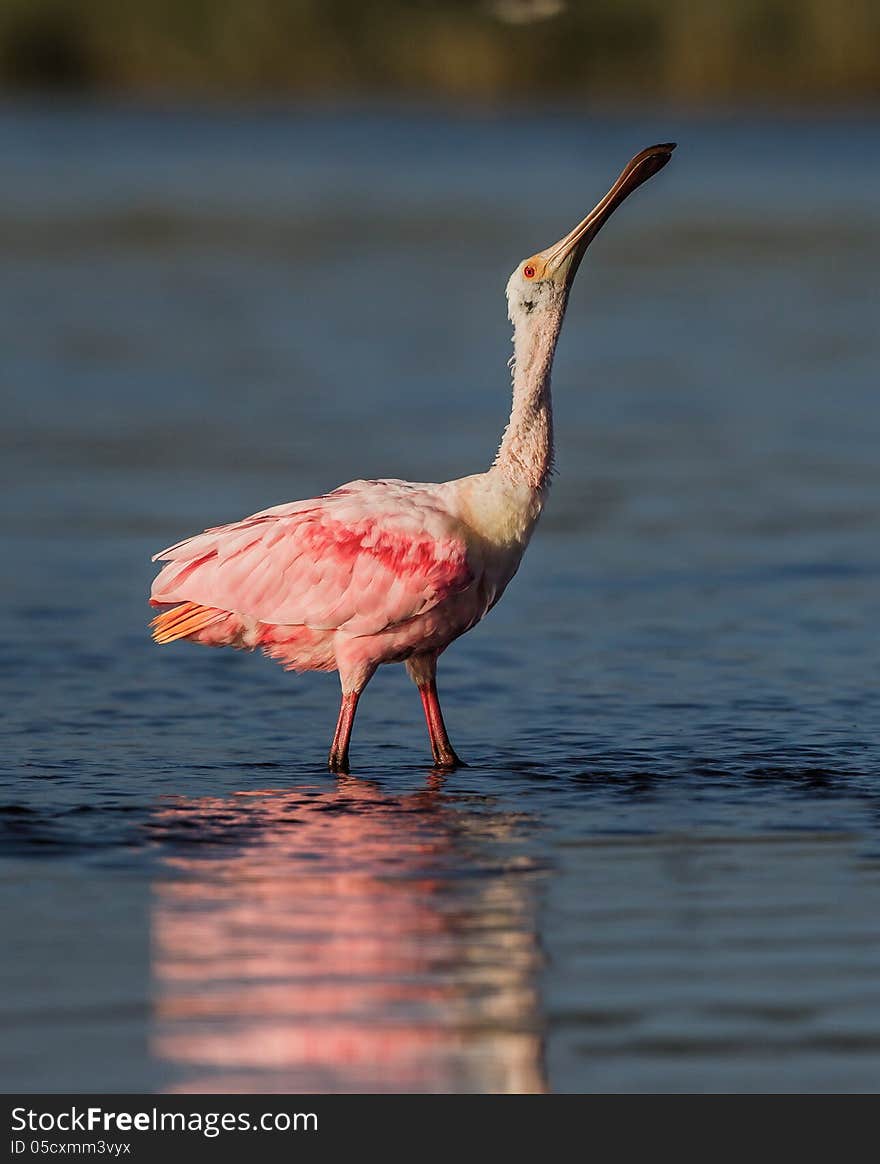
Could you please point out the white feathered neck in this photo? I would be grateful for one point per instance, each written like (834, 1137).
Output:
(526, 451)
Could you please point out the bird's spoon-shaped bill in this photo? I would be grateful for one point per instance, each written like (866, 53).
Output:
(564, 257)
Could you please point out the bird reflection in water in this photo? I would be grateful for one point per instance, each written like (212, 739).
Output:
(345, 939)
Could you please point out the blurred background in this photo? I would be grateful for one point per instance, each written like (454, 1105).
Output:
(497, 50)
(253, 250)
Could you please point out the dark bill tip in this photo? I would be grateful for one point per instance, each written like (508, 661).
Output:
(643, 166)
(649, 161)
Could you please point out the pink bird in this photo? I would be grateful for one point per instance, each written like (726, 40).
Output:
(390, 571)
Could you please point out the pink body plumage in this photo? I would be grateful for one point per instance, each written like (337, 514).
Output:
(365, 575)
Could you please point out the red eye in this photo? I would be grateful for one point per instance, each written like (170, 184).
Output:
(529, 271)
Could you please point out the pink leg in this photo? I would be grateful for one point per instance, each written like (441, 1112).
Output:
(354, 675)
(337, 761)
(442, 749)
(422, 670)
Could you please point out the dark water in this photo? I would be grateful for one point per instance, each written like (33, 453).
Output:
(662, 869)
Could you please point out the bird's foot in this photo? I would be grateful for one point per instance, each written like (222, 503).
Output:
(448, 761)
(338, 764)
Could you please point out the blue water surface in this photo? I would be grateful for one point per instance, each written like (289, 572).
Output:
(661, 870)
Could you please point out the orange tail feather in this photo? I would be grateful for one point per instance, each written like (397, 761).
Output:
(182, 621)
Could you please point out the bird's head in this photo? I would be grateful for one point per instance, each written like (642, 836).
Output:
(542, 282)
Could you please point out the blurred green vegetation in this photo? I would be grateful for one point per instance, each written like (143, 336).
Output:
(695, 51)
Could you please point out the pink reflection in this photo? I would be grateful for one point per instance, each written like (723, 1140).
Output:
(343, 939)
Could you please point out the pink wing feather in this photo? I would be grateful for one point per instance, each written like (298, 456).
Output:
(365, 558)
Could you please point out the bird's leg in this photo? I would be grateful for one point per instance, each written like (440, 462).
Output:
(354, 677)
(444, 754)
(423, 671)
(337, 761)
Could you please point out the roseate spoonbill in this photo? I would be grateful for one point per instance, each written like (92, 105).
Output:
(391, 571)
